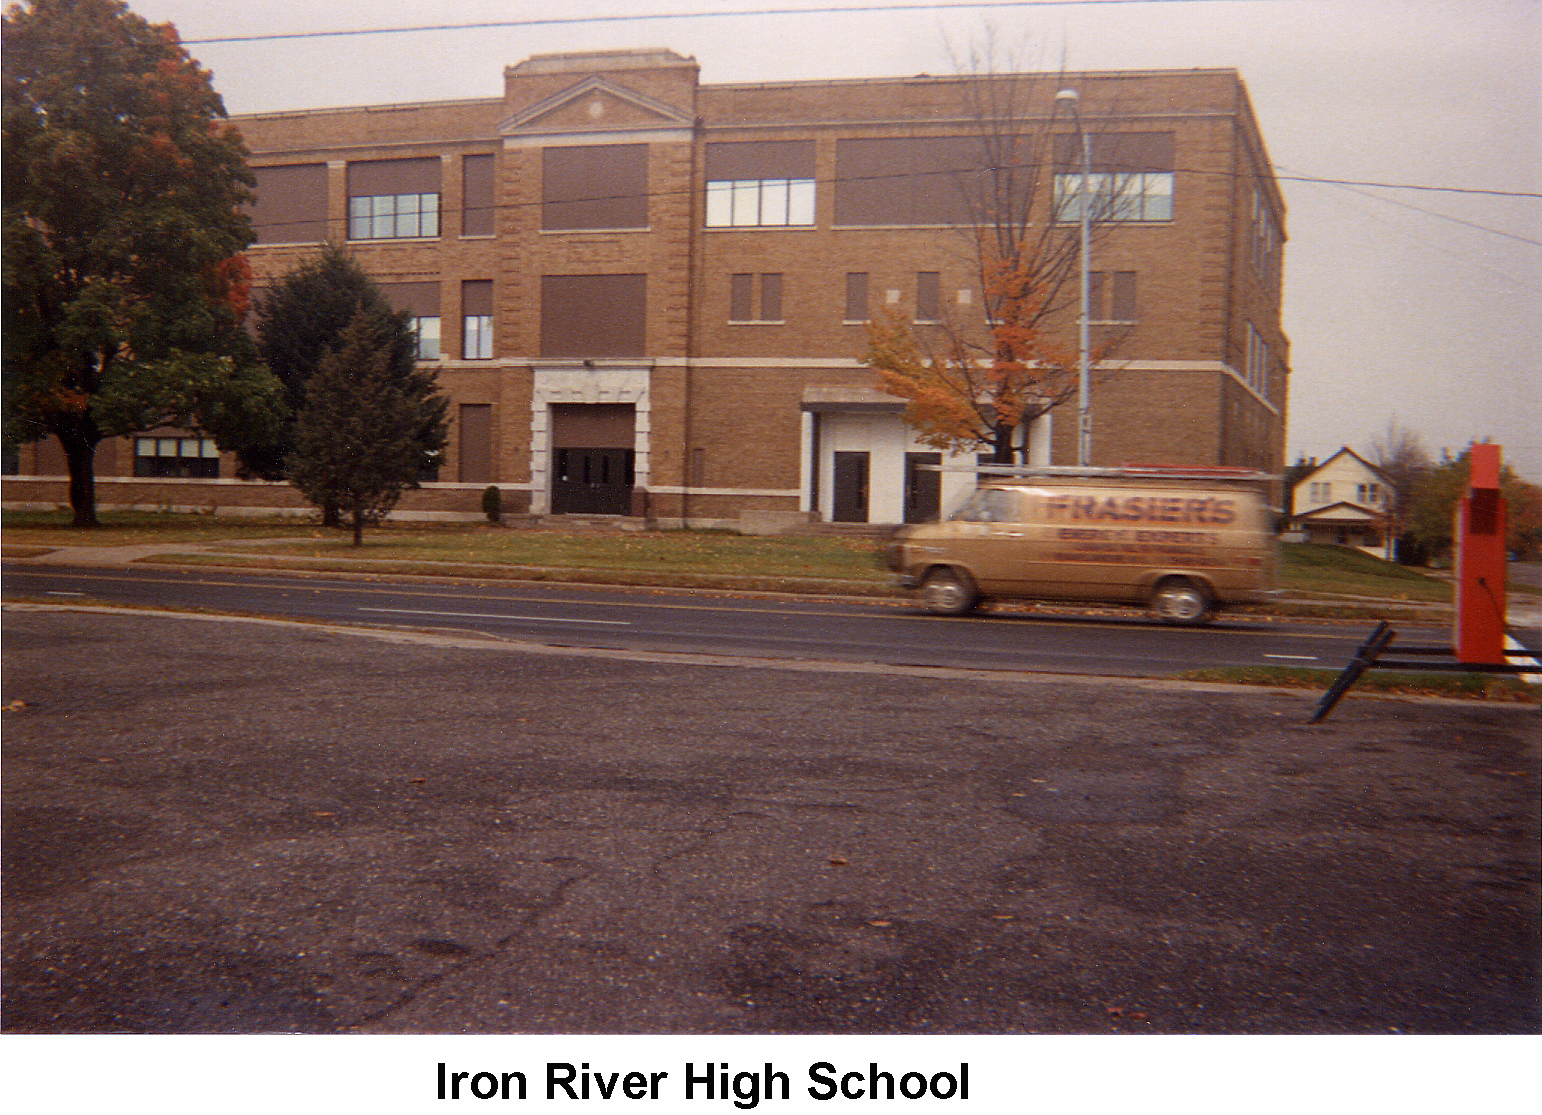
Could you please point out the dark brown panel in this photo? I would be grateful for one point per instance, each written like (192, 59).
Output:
(593, 425)
(393, 176)
(928, 296)
(741, 297)
(856, 296)
(750, 162)
(477, 196)
(1122, 297)
(770, 298)
(418, 299)
(594, 315)
(907, 180)
(476, 297)
(291, 206)
(1097, 296)
(1117, 152)
(595, 187)
(476, 443)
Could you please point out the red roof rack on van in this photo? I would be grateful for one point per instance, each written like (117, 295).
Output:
(1155, 472)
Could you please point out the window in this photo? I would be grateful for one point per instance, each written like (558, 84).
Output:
(1266, 239)
(478, 204)
(856, 296)
(1320, 491)
(1257, 362)
(190, 458)
(476, 307)
(391, 199)
(760, 185)
(601, 186)
(1111, 297)
(421, 303)
(1368, 494)
(741, 297)
(1131, 177)
(594, 315)
(427, 330)
(393, 217)
(928, 296)
(910, 180)
(291, 204)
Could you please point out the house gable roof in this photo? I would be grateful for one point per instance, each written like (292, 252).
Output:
(1342, 451)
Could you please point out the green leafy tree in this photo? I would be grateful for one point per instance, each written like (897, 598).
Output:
(125, 286)
(371, 422)
(1432, 507)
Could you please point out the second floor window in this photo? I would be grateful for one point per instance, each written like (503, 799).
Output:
(742, 304)
(427, 329)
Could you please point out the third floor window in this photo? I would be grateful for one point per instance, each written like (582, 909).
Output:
(766, 184)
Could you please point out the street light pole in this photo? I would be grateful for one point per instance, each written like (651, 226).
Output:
(1071, 98)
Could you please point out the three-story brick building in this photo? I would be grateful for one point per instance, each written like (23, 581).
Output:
(647, 295)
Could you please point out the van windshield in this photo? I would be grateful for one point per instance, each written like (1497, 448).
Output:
(989, 505)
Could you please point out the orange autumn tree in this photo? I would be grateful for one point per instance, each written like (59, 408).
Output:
(975, 380)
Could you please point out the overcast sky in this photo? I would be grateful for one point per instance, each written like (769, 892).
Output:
(1423, 305)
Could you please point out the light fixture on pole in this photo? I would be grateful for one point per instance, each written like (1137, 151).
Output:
(1072, 99)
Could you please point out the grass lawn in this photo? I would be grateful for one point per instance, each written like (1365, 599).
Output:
(675, 551)
(1307, 569)
(51, 529)
(1478, 686)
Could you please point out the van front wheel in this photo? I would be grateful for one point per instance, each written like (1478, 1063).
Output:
(1177, 600)
(948, 592)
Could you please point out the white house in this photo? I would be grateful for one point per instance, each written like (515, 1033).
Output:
(1344, 502)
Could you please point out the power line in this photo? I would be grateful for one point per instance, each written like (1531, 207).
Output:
(656, 17)
(840, 180)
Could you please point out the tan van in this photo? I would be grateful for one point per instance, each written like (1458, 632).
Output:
(1184, 542)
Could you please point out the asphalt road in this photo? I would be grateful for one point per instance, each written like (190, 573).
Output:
(681, 621)
(229, 826)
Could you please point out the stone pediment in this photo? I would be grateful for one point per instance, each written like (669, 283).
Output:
(595, 105)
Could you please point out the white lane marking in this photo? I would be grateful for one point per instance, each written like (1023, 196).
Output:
(54, 593)
(1294, 657)
(493, 615)
(1524, 659)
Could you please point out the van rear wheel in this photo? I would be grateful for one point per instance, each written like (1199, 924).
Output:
(1179, 600)
(948, 592)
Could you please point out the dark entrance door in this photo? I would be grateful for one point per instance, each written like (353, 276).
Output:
(850, 488)
(592, 482)
(923, 487)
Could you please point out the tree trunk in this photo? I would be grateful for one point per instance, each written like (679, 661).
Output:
(331, 515)
(358, 528)
(80, 453)
(1002, 451)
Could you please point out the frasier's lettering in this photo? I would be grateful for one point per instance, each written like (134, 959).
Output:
(1137, 509)
(878, 1084)
(575, 1083)
(746, 1088)
(482, 1085)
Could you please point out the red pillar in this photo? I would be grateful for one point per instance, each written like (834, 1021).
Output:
(1479, 540)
